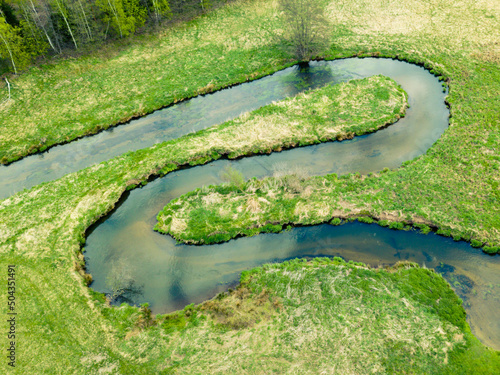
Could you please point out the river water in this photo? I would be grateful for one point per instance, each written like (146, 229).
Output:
(123, 249)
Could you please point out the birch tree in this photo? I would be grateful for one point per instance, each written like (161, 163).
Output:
(205, 4)
(125, 16)
(161, 10)
(37, 13)
(63, 11)
(84, 23)
(11, 46)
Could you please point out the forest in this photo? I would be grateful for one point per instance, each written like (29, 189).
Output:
(37, 28)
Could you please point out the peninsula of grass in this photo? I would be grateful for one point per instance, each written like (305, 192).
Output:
(214, 214)
(64, 327)
(283, 317)
(334, 112)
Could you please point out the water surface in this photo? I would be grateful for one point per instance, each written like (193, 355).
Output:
(204, 111)
(124, 248)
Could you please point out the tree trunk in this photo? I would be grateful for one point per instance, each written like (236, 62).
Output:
(86, 23)
(35, 13)
(11, 57)
(116, 16)
(8, 85)
(66, 21)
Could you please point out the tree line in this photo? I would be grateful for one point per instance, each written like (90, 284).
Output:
(30, 28)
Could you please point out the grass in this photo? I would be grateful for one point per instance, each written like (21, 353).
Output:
(360, 323)
(283, 317)
(57, 102)
(215, 214)
(66, 328)
(461, 169)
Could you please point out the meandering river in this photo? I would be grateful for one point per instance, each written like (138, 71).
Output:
(167, 275)
(123, 250)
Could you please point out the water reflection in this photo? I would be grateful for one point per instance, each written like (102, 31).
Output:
(174, 275)
(168, 123)
(201, 112)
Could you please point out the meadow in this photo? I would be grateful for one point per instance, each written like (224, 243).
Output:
(65, 327)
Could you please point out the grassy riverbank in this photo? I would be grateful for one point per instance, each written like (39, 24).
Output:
(64, 327)
(42, 229)
(58, 102)
(361, 324)
(216, 214)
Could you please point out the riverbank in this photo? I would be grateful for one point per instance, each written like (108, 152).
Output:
(215, 214)
(402, 319)
(41, 230)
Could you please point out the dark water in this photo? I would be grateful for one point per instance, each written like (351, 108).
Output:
(124, 251)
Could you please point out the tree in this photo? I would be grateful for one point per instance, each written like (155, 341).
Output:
(125, 16)
(306, 26)
(11, 46)
(63, 11)
(38, 16)
(205, 4)
(161, 9)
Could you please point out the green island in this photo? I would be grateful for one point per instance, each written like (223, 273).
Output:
(288, 317)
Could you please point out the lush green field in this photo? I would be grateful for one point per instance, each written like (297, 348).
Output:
(64, 327)
(283, 317)
(56, 103)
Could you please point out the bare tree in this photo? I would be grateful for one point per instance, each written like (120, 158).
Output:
(306, 26)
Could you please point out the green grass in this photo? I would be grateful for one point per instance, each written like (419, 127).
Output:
(360, 323)
(215, 214)
(57, 102)
(285, 316)
(65, 328)
(453, 187)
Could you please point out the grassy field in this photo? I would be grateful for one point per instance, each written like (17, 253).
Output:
(42, 229)
(64, 327)
(283, 317)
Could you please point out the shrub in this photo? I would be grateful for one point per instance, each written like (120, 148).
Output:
(365, 219)
(233, 177)
(396, 225)
(424, 229)
(476, 243)
(336, 221)
(491, 249)
(383, 223)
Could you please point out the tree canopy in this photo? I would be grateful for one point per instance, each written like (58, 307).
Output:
(29, 28)
(306, 26)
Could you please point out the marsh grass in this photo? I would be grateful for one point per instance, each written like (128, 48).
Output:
(282, 317)
(67, 328)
